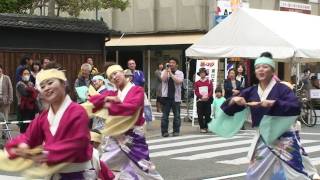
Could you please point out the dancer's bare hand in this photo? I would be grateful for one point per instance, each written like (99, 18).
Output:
(238, 100)
(235, 92)
(113, 99)
(107, 105)
(267, 103)
(22, 150)
(40, 158)
(253, 104)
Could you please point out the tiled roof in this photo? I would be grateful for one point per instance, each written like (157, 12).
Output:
(53, 23)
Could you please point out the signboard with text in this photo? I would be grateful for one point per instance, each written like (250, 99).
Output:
(226, 7)
(212, 68)
(295, 7)
(315, 93)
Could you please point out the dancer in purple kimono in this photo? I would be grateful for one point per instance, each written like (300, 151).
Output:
(284, 158)
(126, 149)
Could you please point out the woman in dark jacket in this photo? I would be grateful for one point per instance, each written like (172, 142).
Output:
(241, 76)
(27, 99)
(231, 85)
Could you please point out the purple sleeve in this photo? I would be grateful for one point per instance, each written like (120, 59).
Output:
(138, 78)
(142, 77)
(287, 104)
(232, 109)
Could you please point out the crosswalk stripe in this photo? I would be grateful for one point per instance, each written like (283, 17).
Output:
(177, 138)
(11, 177)
(312, 149)
(315, 161)
(227, 177)
(183, 143)
(238, 161)
(199, 148)
(244, 160)
(317, 134)
(309, 149)
(214, 154)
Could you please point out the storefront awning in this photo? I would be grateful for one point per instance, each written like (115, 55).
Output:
(151, 40)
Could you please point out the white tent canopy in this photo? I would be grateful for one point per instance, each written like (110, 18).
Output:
(249, 32)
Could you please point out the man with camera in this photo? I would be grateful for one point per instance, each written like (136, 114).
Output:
(172, 79)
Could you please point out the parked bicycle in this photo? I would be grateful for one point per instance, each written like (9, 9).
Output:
(308, 114)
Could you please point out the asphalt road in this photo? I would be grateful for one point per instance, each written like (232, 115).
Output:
(196, 156)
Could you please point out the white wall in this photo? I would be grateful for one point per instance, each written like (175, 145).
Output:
(152, 16)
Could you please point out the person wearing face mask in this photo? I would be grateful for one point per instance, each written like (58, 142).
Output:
(60, 134)
(276, 151)
(27, 97)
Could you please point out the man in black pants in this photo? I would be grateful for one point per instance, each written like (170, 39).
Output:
(172, 79)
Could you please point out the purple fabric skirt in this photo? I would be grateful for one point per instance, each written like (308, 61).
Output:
(72, 176)
(80, 175)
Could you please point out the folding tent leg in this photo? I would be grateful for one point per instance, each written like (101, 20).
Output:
(8, 131)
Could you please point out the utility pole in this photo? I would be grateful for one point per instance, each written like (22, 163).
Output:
(211, 5)
(51, 8)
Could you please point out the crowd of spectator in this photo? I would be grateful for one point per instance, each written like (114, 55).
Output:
(169, 81)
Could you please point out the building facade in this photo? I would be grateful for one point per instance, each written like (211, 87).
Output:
(154, 30)
(68, 41)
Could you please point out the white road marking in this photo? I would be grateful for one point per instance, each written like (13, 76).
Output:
(238, 161)
(197, 141)
(314, 161)
(227, 177)
(306, 141)
(317, 134)
(4, 177)
(177, 138)
(312, 149)
(244, 160)
(199, 148)
(301, 132)
(309, 149)
(214, 154)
